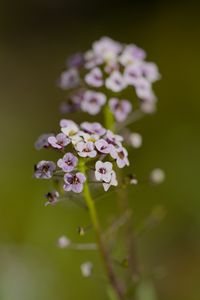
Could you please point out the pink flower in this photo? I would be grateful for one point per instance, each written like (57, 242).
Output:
(59, 142)
(93, 102)
(121, 156)
(115, 82)
(74, 182)
(103, 171)
(113, 181)
(120, 108)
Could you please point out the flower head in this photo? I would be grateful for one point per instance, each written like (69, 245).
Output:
(74, 182)
(44, 169)
(115, 82)
(121, 156)
(42, 141)
(93, 128)
(103, 146)
(120, 108)
(94, 78)
(68, 162)
(113, 181)
(69, 79)
(92, 102)
(59, 141)
(86, 149)
(103, 171)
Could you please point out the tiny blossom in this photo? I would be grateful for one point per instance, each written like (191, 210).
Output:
(68, 162)
(132, 73)
(42, 141)
(143, 89)
(63, 242)
(150, 71)
(157, 176)
(103, 146)
(94, 78)
(120, 108)
(76, 60)
(103, 171)
(113, 139)
(132, 54)
(69, 128)
(52, 198)
(44, 169)
(69, 79)
(59, 142)
(86, 269)
(93, 128)
(92, 60)
(113, 181)
(93, 101)
(89, 137)
(121, 156)
(74, 182)
(115, 82)
(106, 48)
(86, 149)
(135, 140)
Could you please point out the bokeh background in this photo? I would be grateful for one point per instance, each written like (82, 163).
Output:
(36, 36)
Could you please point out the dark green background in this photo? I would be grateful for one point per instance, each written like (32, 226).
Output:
(35, 39)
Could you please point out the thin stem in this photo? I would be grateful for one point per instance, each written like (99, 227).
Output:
(108, 118)
(115, 283)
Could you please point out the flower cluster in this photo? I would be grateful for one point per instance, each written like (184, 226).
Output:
(109, 67)
(89, 142)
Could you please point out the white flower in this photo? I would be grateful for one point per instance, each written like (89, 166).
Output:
(121, 156)
(86, 149)
(94, 78)
(103, 171)
(113, 181)
(115, 82)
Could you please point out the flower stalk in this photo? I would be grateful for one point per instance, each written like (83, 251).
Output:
(114, 281)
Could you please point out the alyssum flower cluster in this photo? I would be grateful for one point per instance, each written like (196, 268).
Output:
(100, 149)
(101, 76)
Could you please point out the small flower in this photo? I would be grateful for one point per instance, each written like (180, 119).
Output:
(144, 90)
(157, 176)
(42, 141)
(135, 139)
(132, 73)
(74, 182)
(44, 169)
(131, 55)
(69, 79)
(113, 182)
(94, 78)
(92, 59)
(76, 60)
(103, 171)
(68, 162)
(150, 71)
(63, 242)
(86, 269)
(103, 146)
(69, 128)
(92, 102)
(59, 142)
(121, 156)
(120, 108)
(115, 82)
(86, 149)
(113, 139)
(93, 128)
(52, 198)
(106, 48)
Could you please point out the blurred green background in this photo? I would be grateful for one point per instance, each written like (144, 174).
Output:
(35, 39)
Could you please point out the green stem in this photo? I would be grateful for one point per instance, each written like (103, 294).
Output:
(108, 118)
(115, 283)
